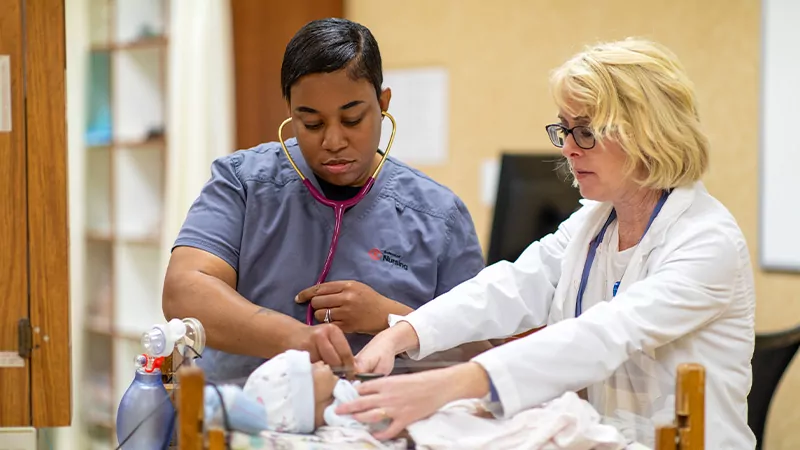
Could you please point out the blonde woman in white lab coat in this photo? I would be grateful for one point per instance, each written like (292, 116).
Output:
(669, 282)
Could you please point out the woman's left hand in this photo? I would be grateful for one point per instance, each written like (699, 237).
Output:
(354, 307)
(405, 399)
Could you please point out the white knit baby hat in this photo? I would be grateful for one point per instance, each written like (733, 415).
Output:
(285, 386)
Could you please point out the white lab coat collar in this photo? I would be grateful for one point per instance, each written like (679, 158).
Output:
(677, 203)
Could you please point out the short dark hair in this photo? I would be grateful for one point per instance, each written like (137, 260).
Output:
(328, 45)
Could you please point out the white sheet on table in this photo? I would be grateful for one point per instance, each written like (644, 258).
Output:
(566, 423)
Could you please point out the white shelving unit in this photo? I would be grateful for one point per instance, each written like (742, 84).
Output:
(125, 158)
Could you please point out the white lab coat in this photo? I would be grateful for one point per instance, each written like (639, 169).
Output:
(686, 296)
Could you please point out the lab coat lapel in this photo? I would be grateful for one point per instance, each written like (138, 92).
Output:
(677, 203)
(564, 299)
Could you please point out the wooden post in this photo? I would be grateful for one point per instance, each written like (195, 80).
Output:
(690, 406)
(190, 408)
(687, 432)
(666, 438)
(216, 439)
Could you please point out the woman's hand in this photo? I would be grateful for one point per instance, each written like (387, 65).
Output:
(379, 354)
(405, 399)
(352, 306)
(325, 343)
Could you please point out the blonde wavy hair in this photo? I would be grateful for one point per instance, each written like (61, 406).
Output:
(637, 92)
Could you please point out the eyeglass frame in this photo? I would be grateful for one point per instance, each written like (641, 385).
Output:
(567, 132)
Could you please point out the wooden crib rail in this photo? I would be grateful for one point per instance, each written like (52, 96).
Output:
(190, 412)
(687, 432)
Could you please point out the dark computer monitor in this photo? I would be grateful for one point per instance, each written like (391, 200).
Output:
(534, 195)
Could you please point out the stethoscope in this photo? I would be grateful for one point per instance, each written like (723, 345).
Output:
(587, 266)
(339, 206)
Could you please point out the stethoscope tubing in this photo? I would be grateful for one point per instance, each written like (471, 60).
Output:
(339, 207)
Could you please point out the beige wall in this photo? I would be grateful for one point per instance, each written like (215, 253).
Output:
(499, 54)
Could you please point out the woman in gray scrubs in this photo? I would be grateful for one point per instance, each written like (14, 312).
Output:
(248, 255)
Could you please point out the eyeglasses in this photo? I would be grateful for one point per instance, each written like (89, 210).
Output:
(583, 135)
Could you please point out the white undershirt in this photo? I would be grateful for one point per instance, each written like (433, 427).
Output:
(624, 398)
(608, 268)
(617, 260)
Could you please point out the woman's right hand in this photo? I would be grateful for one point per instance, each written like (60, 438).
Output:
(327, 343)
(379, 354)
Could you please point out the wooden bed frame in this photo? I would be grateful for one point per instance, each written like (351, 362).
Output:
(687, 432)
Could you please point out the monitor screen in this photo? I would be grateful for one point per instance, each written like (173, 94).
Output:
(534, 195)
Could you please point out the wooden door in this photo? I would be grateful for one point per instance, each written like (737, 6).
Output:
(14, 370)
(261, 30)
(34, 278)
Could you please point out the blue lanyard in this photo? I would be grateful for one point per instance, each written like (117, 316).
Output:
(587, 267)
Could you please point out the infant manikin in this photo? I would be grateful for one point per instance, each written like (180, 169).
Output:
(299, 396)
(289, 394)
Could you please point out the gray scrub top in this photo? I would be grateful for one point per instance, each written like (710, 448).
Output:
(410, 239)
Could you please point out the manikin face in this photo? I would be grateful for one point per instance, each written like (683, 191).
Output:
(324, 382)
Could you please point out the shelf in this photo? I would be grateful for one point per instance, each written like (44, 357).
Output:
(106, 442)
(98, 121)
(156, 142)
(99, 236)
(138, 192)
(97, 382)
(97, 280)
(107, 237)
(99, 326)
(138, 20)
(99, 22)
(143, 240)
(101, 423)
(148, 43)
(125, 151)
(98, 192)
(137, 24)
(137, 294)
(138, 92)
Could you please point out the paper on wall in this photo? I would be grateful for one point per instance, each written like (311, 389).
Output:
(420, 104)
(490, 174)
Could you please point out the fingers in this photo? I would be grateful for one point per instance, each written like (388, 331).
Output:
(328, 353)
(374, 359)
(328, 300)
(343, 349)
(394, 429)
(372, 416)
(332, 287)
(320, 314)
(360, 405)
(334, 349)
(368, 365)
(371, 387)
(367, 410)
(364, 365)
(305, 295)
(386, 366)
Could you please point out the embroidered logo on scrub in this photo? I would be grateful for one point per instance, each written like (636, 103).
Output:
(387, 257)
